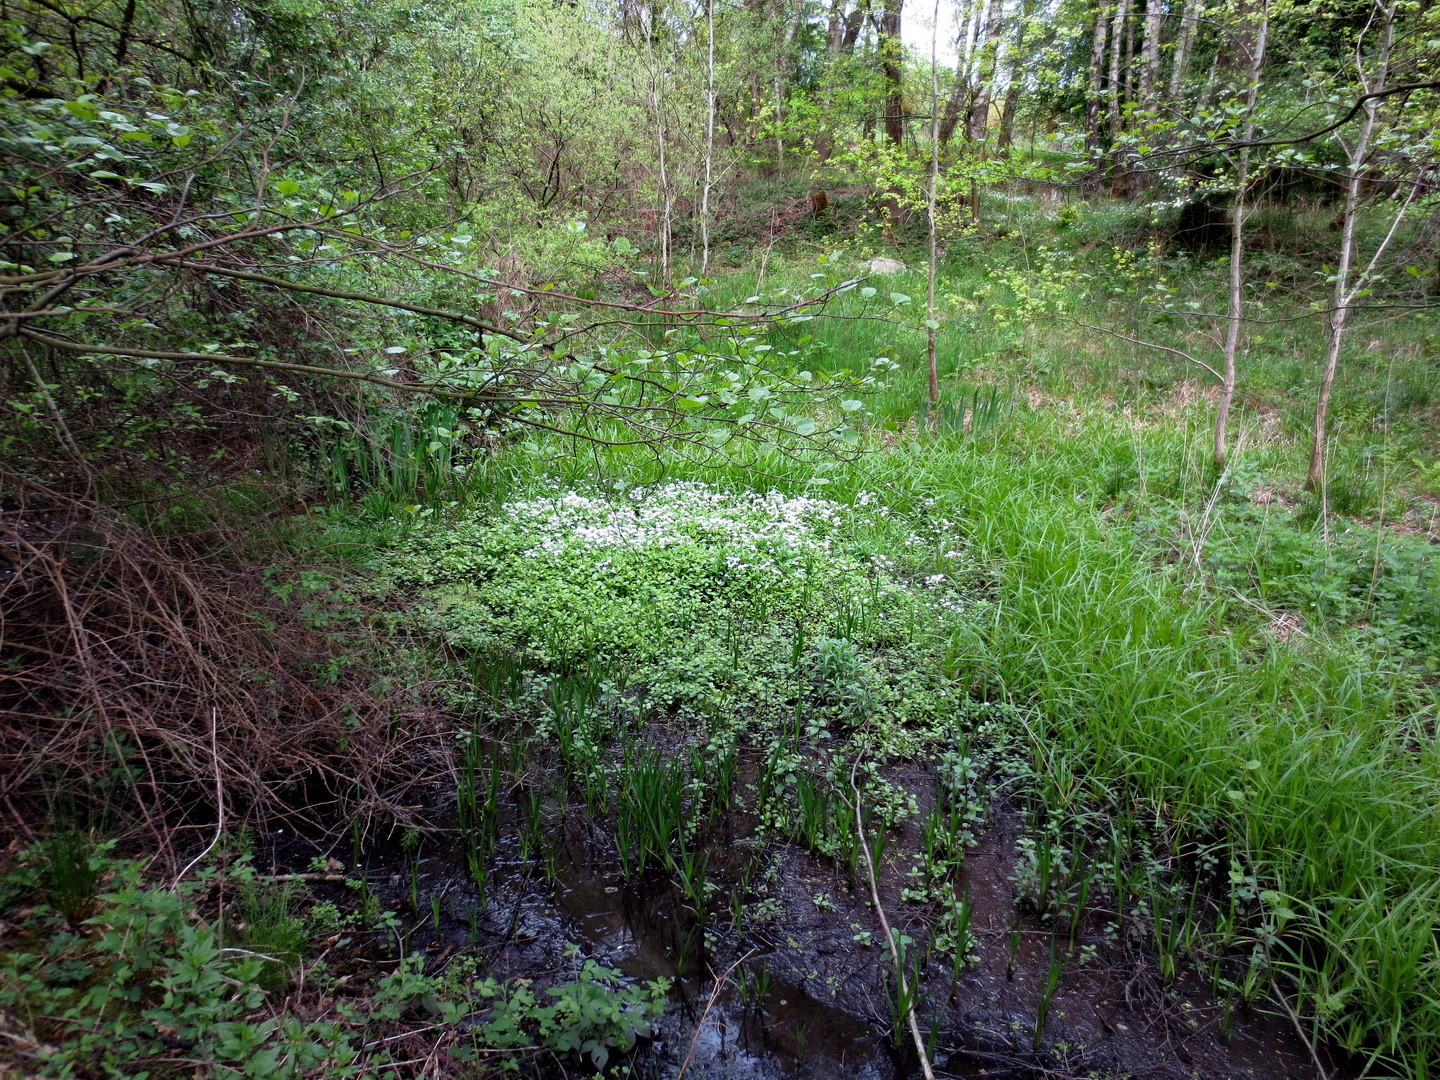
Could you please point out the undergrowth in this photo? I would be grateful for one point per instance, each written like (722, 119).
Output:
(1230, 715)
(152, 981)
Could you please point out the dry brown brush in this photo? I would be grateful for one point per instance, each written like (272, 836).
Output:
(161, 677)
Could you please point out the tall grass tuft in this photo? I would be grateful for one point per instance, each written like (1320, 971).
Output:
(650, 811)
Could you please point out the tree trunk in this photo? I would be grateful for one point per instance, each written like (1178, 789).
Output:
(853, 25)
(1012, 103)
(1020, 44)
(127, 24)
(986, 68)
(891, 56)
(1207, 92)
(709, 136)
(955, 105)
(931, 365)
(779, 133)
(657, 99)
(954, 108)
(1117, 39)
(844, 30)
(1127, 67)
(1182, 50)
(1150, 58)
(835, 28)
(1096, 95)
(1235, 313)
(1345, 293)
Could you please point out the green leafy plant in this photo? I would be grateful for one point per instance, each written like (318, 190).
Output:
(844, 682)
(594, 1016)
(146, 976)
(268, 925)
(69, 871)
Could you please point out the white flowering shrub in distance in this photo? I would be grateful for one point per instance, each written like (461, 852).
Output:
(639, 576)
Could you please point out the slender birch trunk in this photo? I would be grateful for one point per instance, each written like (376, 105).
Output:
(1117, 40)
(656, 104)
(709, 136)
(1012, 104)
(1127, 67)
(782, 72)
(1345, 290)
(1182, 50)
(1150, 58)
(835, 28)
(956, 105)
(891, 57)
(779, 134)
(1016, 51)
(1207, 92)
(932, 368)
(1235, 313)
(987, 69)
(1096, 95)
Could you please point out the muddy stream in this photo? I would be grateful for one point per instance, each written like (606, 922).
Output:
(807, 986)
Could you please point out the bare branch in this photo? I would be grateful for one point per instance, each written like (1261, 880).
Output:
(1147, 344)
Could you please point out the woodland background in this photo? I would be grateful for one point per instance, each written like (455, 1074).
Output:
(283, 280)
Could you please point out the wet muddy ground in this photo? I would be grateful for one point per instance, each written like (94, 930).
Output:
(799, 983)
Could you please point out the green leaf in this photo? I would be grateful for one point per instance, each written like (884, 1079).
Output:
(1277, 904)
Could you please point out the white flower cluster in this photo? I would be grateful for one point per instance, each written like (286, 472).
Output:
(676, 514)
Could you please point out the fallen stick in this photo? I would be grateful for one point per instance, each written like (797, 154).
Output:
(914, 1024)
(1299, 1030)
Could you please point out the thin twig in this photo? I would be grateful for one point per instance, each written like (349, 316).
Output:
(219, 799)
(1299, 1030)
(1148, 345)
(720, 981)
